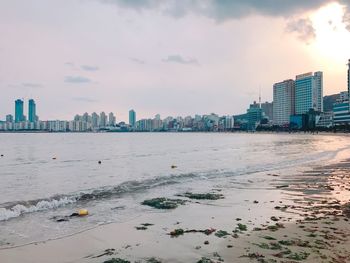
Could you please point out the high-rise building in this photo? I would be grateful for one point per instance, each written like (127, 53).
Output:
(111, 119)
(267, 108)
(283, 101)
(86, 117)
(349, 79)
(95, 119)
(341, 113)
(343, 96)
(132, 118)
(309, 92)
(254, 114)
(31, 111)
(19, 111)
(103, 120)
(9, 118)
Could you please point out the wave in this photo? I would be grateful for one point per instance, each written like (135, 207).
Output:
(40, 205)
(16, 209)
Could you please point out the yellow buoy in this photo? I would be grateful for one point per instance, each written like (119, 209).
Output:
(83, 212)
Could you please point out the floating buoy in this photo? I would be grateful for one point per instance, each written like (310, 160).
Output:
(83, 212)
(99, 162)
(54, 158)
(173, 166)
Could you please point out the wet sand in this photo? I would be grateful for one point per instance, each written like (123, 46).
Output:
(296, 218)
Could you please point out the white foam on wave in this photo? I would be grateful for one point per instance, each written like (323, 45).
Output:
(20, 209)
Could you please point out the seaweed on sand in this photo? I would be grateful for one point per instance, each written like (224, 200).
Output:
(141, 228)
(242, 227)
(116, 260)
(153, 260)
(272, 246)
(269, 238)
(205, 260)
(163, 203)
(222, 233)
(275, 227)
(299, 256)
(177, 232)
(180, 231)
(202, 196)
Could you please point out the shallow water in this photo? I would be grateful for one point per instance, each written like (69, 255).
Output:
(47, 175)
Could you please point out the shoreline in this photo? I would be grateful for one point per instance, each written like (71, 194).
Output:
(340, 133)
(296, 226)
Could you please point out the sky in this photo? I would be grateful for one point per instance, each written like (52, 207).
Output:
(175, 58)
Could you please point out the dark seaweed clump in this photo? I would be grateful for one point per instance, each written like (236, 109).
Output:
(116, 260)
(205, 196)
(163, 203)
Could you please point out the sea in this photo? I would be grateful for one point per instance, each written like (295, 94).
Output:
(46, 176)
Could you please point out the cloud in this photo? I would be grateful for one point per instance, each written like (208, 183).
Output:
(346, 17)
(303, 28)
(85, 99)
(138, 61)
(89, 68)
(179, 59)
(134, 4)
(69, 64)
(221, 10)
(32, 85)
(76, 79)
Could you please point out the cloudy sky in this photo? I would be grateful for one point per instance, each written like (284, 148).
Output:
(168, 57)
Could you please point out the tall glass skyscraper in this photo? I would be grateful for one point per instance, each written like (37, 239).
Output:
(132, 118)
(19, 111)
(309, 92)
(31, 110)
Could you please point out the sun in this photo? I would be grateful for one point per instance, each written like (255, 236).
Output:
(332, 38)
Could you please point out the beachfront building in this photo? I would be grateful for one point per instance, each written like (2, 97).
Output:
(283, 102)
(267, 108)
(132, 118)
(144, 125)
(9, 118)
(341, 113)
(86, 117)
(111, 119)
(309, 92)
(229, 122)
(325, 120)
(32, 111)
(95, 119)
(19, 116)
(103, 120)
(349, 79)
(343, 96)
(254, 115)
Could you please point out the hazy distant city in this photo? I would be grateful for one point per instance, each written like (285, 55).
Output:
(298, 104)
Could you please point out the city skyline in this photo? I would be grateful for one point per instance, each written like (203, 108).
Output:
(297, 105)
(289, 97)
(162, 57)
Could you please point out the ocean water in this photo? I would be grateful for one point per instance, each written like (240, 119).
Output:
(43, 176)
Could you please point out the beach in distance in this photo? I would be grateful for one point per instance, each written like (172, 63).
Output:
(174, 197)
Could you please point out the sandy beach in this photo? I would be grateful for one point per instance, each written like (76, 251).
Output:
(299, 218)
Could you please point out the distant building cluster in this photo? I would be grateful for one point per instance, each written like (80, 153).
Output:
(298, 104)
(212, 122)
(103, 122)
